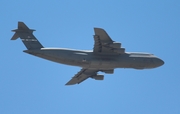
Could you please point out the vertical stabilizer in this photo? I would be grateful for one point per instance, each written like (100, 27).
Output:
(27, 37)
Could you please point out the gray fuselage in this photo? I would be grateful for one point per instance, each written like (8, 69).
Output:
(87, 59)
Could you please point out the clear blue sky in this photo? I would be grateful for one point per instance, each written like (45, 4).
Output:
(30, 85)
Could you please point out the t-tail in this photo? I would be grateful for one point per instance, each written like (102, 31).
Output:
(27, 37)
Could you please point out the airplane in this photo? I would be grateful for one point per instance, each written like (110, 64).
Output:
(105, 56)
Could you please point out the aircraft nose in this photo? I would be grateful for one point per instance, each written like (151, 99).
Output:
(160, 62)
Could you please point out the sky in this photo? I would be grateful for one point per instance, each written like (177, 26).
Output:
(31, 85)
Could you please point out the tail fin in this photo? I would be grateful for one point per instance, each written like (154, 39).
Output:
(26, 36)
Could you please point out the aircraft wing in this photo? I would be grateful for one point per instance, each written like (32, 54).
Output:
(103, 44)
(81, 76)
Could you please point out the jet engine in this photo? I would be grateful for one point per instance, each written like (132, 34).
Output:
(98, 77)
(119, 50)
(110, 71)
(115, 45)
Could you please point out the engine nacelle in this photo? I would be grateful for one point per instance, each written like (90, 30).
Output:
(115, 45)
(120, 50)
(98, 77)
(108, 71)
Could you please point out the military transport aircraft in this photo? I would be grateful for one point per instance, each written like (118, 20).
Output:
(105, 56)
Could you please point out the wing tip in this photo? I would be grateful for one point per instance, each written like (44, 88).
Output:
(97, 28)
(69, 84)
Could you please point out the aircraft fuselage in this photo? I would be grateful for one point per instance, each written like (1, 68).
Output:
(87, 59)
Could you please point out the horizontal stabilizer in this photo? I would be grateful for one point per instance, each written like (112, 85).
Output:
(15, 36)
(22, 28)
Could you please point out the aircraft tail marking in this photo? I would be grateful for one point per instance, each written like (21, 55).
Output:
(27, 37)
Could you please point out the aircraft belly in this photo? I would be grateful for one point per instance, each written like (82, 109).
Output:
(134, 62)
(101, 63)
(48, 57)
(78, 59)
(137, 63)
